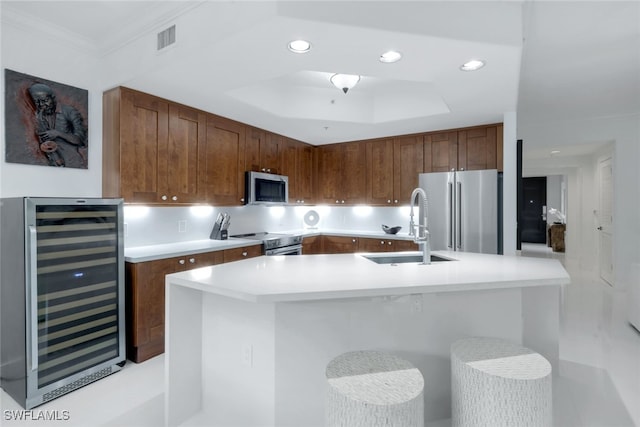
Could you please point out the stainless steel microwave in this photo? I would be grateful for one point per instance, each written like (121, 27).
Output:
(266, 188)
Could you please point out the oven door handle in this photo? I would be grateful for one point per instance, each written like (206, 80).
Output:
(287, 250)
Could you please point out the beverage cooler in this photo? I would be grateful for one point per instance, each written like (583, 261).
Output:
(61, 295)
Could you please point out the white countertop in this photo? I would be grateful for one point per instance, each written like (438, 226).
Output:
(170, 250)
(320, 277)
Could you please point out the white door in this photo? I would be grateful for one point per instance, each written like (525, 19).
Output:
(605, 219)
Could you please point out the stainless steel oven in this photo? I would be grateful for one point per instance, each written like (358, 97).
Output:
(275, 243)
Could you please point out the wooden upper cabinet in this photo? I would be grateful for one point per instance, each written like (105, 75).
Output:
(329, 167)
(150, 148)
(441, 151)
(186, 137)
(263, 151)
(296, 162)
(135, 137)
(477, 148)
(354, 173)
(408, 155)
(342, 173)
(222, 162)
(379, 157)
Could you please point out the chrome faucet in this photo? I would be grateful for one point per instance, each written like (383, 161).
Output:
(422, 235)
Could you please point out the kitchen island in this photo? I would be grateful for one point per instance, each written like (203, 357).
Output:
(248, 342)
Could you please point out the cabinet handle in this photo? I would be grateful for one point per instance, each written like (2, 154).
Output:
(337, 201)
(268, 170)
(192, 260)
(264, 170)
(388, 201)
(395, 201)
(382, 242)
(164, 197)
(353, 240)
(242, 200)
(244, 254)
(174, 198)
(389, 243)
(181, 262)
(342, 202)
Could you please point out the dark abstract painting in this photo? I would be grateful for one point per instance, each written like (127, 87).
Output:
(45, 122)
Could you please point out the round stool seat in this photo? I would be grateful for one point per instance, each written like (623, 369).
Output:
(371, 388)
(498, 383)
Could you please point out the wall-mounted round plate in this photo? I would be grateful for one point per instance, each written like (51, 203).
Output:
(311, 218)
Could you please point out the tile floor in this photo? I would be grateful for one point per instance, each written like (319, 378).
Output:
(598, 383)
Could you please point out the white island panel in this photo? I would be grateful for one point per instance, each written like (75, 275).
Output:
(268, 327)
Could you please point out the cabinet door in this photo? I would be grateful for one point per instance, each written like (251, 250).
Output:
(262, 153)
(236, 254)
(403, 245)
(339, 244)
(270, 153)
(254, 138)
(186, 135)
(329, 173)
(289, 167)
(380, 172)
(222, 162)
(305, 190)
(440, 152)
(145, 306)
(143, 147)
(204, 259)
(312, 245)
(354, 173)
(477, 148)
(407, 165)
(372, 245)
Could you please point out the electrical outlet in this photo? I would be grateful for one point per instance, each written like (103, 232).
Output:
(247, 355)
(182, 226)
(416, 303)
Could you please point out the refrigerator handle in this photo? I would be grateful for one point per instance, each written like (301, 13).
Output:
(32, 317)
(451, 213)
(459, 215)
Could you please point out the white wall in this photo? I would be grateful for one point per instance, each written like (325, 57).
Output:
(27, 50)
(624, 133)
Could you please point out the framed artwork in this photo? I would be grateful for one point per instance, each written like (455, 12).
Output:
(45, 122)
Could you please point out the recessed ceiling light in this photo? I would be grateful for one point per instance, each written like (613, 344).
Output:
(555, 152)
(473, 65)
(299, 46)
(390, 57)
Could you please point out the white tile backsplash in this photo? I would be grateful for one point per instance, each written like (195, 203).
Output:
(159, 225)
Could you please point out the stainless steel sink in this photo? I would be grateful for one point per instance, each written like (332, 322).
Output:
(402, 258)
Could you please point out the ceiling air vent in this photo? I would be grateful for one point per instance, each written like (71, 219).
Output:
(167, 37)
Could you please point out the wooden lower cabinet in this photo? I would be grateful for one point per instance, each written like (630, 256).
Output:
(312, 245)
(385, 245)
(145, 299)
(238, 254)
(351, 244)
(339, 244)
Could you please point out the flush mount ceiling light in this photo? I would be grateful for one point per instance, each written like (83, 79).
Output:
(344, 82)
(473, 65)
(390, 57)
(299, 46)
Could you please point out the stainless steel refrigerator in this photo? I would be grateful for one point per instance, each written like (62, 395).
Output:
(61, 295)
(464, 210)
